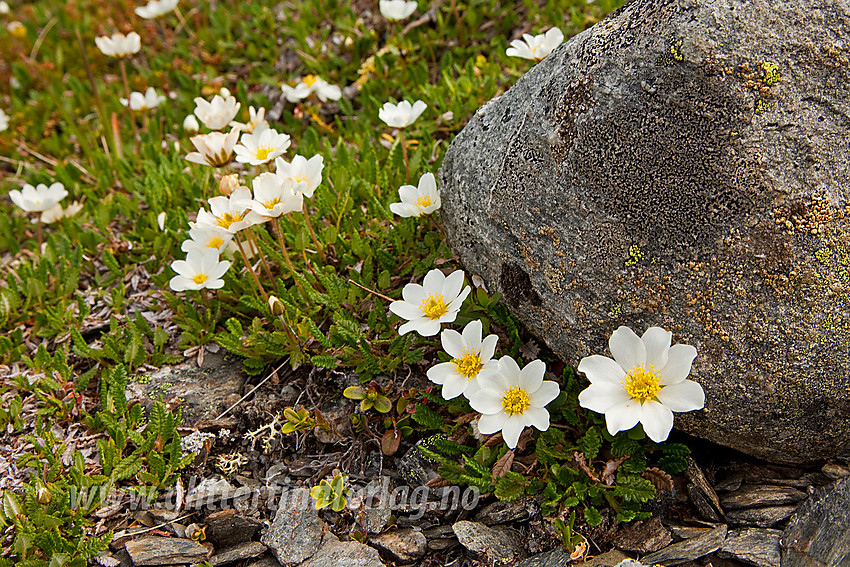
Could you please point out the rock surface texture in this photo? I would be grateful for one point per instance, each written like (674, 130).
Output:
(683, 163)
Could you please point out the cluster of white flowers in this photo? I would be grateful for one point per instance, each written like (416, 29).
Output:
(45, 200)
(311, 84)
(271, 195)
(508, 398)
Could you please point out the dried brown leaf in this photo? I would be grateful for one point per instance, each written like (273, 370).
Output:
(438, 482)
(503, 465)
(610, 468)
(659, 478)
(579, 457)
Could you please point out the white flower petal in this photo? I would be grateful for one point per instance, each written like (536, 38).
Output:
(491, 423)
(657, 343)
(545, 394)
(531, 376)
(678, 364)
(657, 421)
(600, 368)
(486, 401)
(603, 396)
(623, 418)
(684, 396)
(439, 373)
(405, 310)
(454, 386)
(627, 348)
(453, 342)
(537, 417)
(512, 429)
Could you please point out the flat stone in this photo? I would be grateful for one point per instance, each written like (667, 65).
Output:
(157, 550)
(760, 517)
(644, 537)
(499, 512)
(560, 558)
(753, 546)
(501, 545)
(202, 393)
(209, 492)
(649, 173)
(226, 528)
(819, 533)
(343, 554)
(377, 519)
(405, 545)
(688, 532)
(762, 495)
(689, 549)
(267, 561)
(296, 533)
(239, 552)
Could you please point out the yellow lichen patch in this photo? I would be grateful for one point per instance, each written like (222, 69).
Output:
(676, 51)
(635, 255)
(771, 73)
(762, 106)
(824, 256)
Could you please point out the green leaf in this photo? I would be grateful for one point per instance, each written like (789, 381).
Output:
(324, 361)
(634, 489)
(591, 442)
(592, 516)
(511, 486)
(427, 417)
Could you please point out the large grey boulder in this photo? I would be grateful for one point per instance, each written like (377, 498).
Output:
(683, 163)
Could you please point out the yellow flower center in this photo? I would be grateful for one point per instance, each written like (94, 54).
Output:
(271, 204)
(215, 242)
(309, 80)
(468, 364)
(227, 219)
(515, 400)
(643, 383)
(424, 201)
(200, 278)
(263, 153)
(434, 306)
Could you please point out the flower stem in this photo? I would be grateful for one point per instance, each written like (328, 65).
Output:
(250, 268)
(129, 109)
(312, 234)
(38, 234)
(279, 230)
(252, 239)
(404, 154)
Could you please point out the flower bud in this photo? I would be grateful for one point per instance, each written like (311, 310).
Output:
(228, 184)
(276, 305)
(43, 496)
(190, 124)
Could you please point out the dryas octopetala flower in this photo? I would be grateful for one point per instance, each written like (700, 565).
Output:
(156, 8)
(536, 47)
(402, 114)
(644, 383)
(274, 196)
(418, 201)
(206, 237)
(56, 212)
(429, 305)
(215, 148)
(512, 399)
(395, 10)
(261, 146)
(472, 361)
(231, 214)
(256, 121)
(200, 270)
(217, 113)
(119, 45)
(190, 123)
(4, 120)
(141, 102)
(305, 173)
(308, 85)
(39, 198)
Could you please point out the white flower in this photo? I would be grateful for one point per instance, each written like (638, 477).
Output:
(200, 270)
(261, 146)
(119, 45)
(402, 114)
(472, 361)
(397, 9)
(4, 8)
(536, 47)
(436, 301)
(39, 198)
(190, 123)
(513, 399)
(256, 123)
(274, 196)
(56, 212)
(231, 213)
(305, 173)
(4, 121)
(205, 238)
(218, 113)
(418, 201)
(156, 8)
(644, 383)
(142, 102)
(309, 85)
(214, 149)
